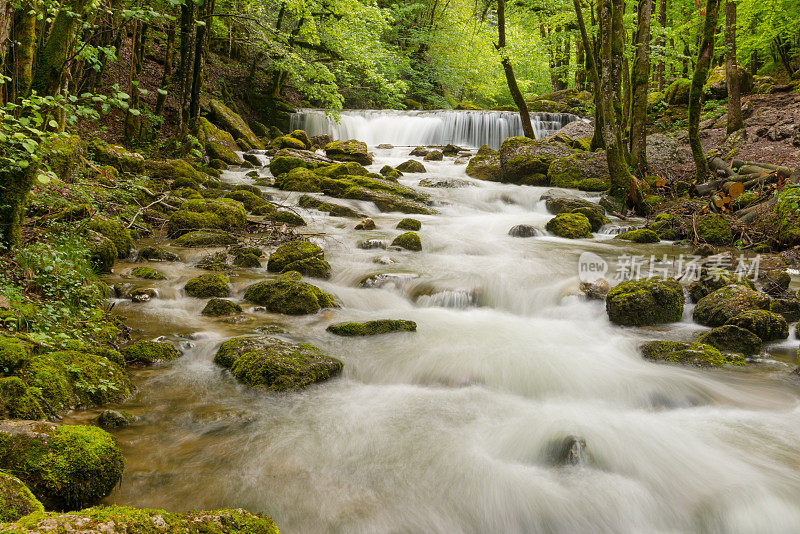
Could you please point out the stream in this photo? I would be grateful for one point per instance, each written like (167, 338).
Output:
(451, 429)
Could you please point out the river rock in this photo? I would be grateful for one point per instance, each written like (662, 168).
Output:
(366, 224)
(273, 364)
(213, 214)
(217, 307)
(411, 166)
(287, 159)
(143, 294)
(372, 328)
(16, 500)
(597, 290)
(732, 338)
(409, 224)
(234, 124)
(335, 210)
(587, 171)
(289, 296)
(408, 241)
(641, 235)
(149, 352)
(371, 244)
(300, 256)
(350, 150)
(208, 285)
(526, 161)
(789, 308)
(765, 324)
(524, 230)
(697, 354)
(566, 451)
(722, 305)
(570, 226)
(645, 302)
(434, 155)
(419, 151)
(485, 165)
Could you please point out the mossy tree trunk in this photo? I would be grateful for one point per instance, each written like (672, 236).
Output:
(594, 76)
(169, 51)
(14, 188)
(661, 71)
(188, 39)
(133, 123)
(623, 183)
(640, 86)
(25, 35)
(6, 23)
(53, 58)
(698, 80)
(516, 94)
(206, 14)
(735, 119)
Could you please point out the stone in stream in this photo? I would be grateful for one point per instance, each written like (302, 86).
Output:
(567, 451)
(697, 354)
(217, 261)
(722, 305)
(335, 210)
(789, 308)
(148, 273)
(408, 241)
(451, 150)
(645, 302)
(289, 296)
(300, 256)
(366, 224)
(732, 338)
(434, 155)
(390, 173)
(526, 161)
(587, 171)
(208, 285)
(419, 151)
(570, 226)
(214, 214)
(597, 290)
(765, 324)
(218, 307)
(409, 224)
(641, 235)
(713, 279)
(288, 218)
(276, 365)
(246, 260)
(149, 352)
(16, 500)
(370, 244)
(485, 165)
(202, 238)
(372, 328)
(156, 254)
(524, 230)
(66, 467)
(411, 166)
(385, 146)
(111, 419)
(143, 294)
(351, 150)
(447, 183)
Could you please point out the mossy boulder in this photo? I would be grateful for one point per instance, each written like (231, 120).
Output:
(668, 226)
(276, 365)
(219, 214)
(715, 278)
(434, 155)
(350, 150)
(697, 354)
(288, 218)
(111, 419)
(349, 168)
(722, 305)
(411, 166)
(287, 141)
(65, 156)
(412, 225)
(300, 256)
(287, 159)
(372, 328)
(788, 308)
(587, 171)
(91, 379)
(788, 215)
(714, 230)
(390, 173)
(102, 252)
(526, 161)
(677, 94)
(208, 285)
(570, 226)
(716, 85)
(66, 467)
(387, 196)
(299, 179)
(116, 156)
(246, 260)
(558, 203)
(765, 324)
(180, 172)
(234, 124)
(485, 165)
(150, 352)
(336, 210)
(156, 254)
(20, 401)
(408, 241)
(288, 296)
(219, 144)
(641, 235)
(732, 338)
(249, 200)
(116, 232)
(645, 302)
(148, 273)
(365, 224)
(205, 239)
(14, 354)
(218, 307)
(16, 500)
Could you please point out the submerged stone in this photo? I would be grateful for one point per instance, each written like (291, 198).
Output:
(372, 328)
(697, 354)
(149, 352)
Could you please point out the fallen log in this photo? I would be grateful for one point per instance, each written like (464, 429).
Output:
(719, 167)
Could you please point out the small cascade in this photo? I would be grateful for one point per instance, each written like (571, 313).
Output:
(440, 127)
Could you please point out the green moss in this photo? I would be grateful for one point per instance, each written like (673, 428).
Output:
(148, 273)
(208, 285)
(66, 467)
(386, 195)
(597, 218)
(350, 168)
(372, 328)
(116, 232)
(667, 226)
(409, 224)
(274, 364)
(93, 379)
(301, 256)
(350, 150)
(788, 308)
(217, 307)
(645, 302)
(218, 261)
(697, 354)
(408, 241)
(589, 169)
(18, 401)
(181, 172)
(111, 419)
(765, 324)
(715, 230)
(291, 297)
(249, 200)
(65, 156)
(116, 156)
(50, 377)
(205, 239)
(149, 352)
(786, 209)
(642, 235)
(732, 338)
(678, 92)
(157, 254)
(287, 141)
(722, 305)
(14, 354)
(219, 144)
(332, 209)
(246, 260)
(16, 500)
(286, 163)
(298, 179)
(570, 225)
(411, 166)
(485, 165)
(288, 218)
(234, 124)
(222, 214)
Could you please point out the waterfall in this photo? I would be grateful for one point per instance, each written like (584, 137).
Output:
(440, 127)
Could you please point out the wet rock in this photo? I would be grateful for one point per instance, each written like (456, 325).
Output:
(434, 155)
(713, 279)
(349, 168)
(419, 151)
(408, 241)
(449, 183)
(775, 282)
(251, 201)
(219, 144)
(385, 146)
(697, 354)
(447, 298)
(788, 308)
(642, 235)
(202, 238)
(411, 166)
(390, 173)
(645, 302)
(384, 260)
(570, 450)
(234, 124)
(386, 195)
(372, 328)
(288, 218)
(366, 224)
(208, 285)
(370, 244)
(350, 150)
(116, 232)
(217, 261)
(485, 165)
(319, 141)
(156, 254)
(289, 296)
(300, 256)
(288, 158)
(732, 338)
(247, 261)
(214, 214)
(16, 500)
(524, 230)
(570, 226)
(111, 419)
(149, 352)
(526, 161)
(451, 150)
(715, 230)
(217, 307)
(66, 467)
(597, 290)
(335, 210)
(143, 294)
(765, 324)
(722, 305)
(409, 224)
(587, 171)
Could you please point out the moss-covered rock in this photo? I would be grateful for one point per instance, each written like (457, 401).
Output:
(411, 166)
(300, 256)
(221, 214)
(287, 141)
(585, 170)
(111, 419)
(570, 226)
(350, 150)
(349, 168)
(219, 144)
(788, 216)
(641, 235)
(390, 173)
(412, 225)
(148, 273)
(14, 354)
(149, 352)
(485, 165)
(299, 179)
(16, 500)
(288, 296)
(732, 338)
(523, 160)
(716, 84)
(678, 92)
(722, 305)
(102, 251)
(116, 232)
(218, 307)
(765, 324)
(372, 328)
(288, 217)
(697, 354)
(120, 519)
(287, 159)
(365, 224)
(247, 260)
(66, 467)
(645, 302)
(65, 156)
(92, 379)
(336, 210)
(386, 195)
(249, 200)
(205, 239)
(180, 172)
(715, 230)
(668, 226)
(788, 308)
(208, 285)
(273, 364)
(408, 241)
(156, 254)
(116, 156)
(715, 278)
(434, 155)
(234, 124)
(19, 401)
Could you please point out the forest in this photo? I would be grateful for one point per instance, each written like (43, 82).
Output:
(399, 266)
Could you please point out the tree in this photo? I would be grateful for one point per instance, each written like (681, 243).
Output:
(591, 66)
(640, 85)
(54, 56)
(698, 80)
(516, 94)
(732, 75)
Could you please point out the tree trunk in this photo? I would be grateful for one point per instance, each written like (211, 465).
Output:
(133, 122)
(661, 71)
(54, 55)
(735, 119)
(201, 49)
(6, 22)
(640, 85)
(698, 80)
(188, 38)
(623, 184)
(161, 99)
(513, 88)
(594, 75)
(14, 188)
(25, 34)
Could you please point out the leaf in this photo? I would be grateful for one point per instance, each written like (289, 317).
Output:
(52, 124)
(42, 179)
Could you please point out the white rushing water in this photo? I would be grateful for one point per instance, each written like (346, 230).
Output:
(452, 429)
(440, 127)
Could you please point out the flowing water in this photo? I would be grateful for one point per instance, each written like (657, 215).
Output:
(453, 429)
